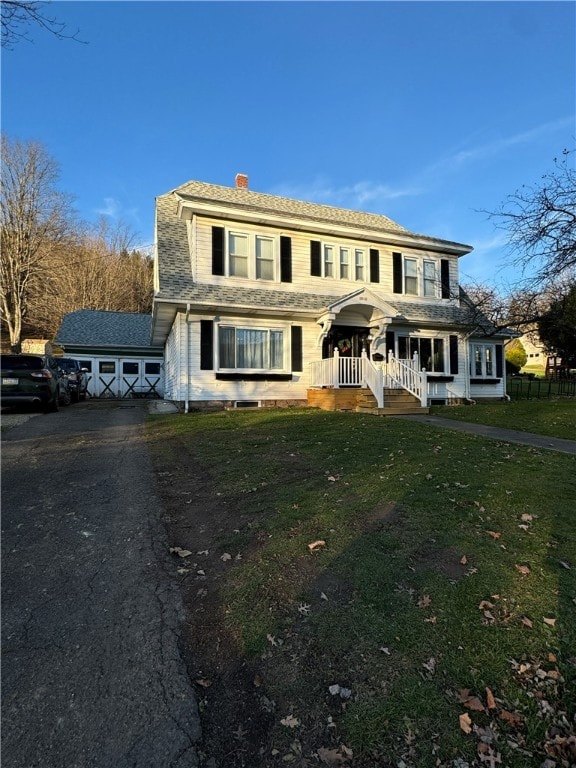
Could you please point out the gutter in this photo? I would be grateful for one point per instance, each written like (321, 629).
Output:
(187, 361)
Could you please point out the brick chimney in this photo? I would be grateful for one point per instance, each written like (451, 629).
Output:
(241, 181)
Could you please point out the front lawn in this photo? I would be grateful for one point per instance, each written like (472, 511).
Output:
(556, 418)
(364, 591)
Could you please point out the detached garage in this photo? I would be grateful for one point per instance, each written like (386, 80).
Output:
(115, 348)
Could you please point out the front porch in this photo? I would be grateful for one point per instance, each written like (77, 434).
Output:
(391, 387)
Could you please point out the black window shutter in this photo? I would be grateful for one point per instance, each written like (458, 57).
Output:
(285, 259)
(315, 259)
(453, 354)
(296, 344)
(397, 272)
(499, 361)
(217, 250)
(206, 345)
(374, 265)
(389, 342)
(445, 278)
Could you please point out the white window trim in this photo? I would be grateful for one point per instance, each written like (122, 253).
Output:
(253, 326)
(483, 345)
(420, 283)
(252, 238)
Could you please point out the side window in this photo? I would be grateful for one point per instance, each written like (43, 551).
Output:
(130, 369)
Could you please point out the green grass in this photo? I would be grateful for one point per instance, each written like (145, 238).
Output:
(556, 418)
(421, 525)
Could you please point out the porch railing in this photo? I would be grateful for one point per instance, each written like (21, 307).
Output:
(339, 371)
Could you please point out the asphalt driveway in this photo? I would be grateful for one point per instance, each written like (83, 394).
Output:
(92, 672)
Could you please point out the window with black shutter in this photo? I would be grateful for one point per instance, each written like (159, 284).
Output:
(206, 345)
(445, 278)
(397, 272)
(296, 344)
(374, 265)
(217, 250)
(315, 258)
(499, 361)
(285, 259)
(453, 341)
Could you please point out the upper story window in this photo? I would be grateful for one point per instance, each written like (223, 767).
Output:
(344, 262)
(421, 276)
(251, 256)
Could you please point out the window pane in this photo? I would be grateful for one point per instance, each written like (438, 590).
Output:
(425, 354)
(251, 348)
(478, 360)
(328, 261)
(152, 368)
(403, 352)
(238, 245)
(489, 363)
(344, 263)
(226, 347)
(359, 262)
(410, 277)
(429, 278)
(264, 258)
(438, 359)
(130, 368)
(107, 366)
(276, 349)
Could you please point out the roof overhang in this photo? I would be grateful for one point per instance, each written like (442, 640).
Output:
(188, 206)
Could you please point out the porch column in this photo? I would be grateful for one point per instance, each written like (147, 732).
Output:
(336, 369)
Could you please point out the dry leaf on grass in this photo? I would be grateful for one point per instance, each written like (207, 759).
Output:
(474, 704)
(204, 682)
(524, 570)
(490, 700)
(526, 621)
(316, 545)
(550, 622)
(334, 756)
(226, 556)
(465, 723)
(494, 534)
(513, 718)
(290, 721)
(180, 552)
(463, 560)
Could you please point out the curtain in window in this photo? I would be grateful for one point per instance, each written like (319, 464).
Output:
(251, 348)
(227, 347)
(277, 349)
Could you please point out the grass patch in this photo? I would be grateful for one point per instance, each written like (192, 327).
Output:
(556, 418)
(447, 569)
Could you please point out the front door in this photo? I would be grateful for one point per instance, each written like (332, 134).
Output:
(350, 341)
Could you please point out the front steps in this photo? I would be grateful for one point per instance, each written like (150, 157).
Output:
(397, 402)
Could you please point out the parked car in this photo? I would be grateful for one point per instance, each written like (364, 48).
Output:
(77, 377)
(36, 380)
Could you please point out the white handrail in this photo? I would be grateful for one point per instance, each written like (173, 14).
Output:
(407, 374)
(374, 379)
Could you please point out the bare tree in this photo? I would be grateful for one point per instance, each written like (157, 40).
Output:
(541, 223)
(18, 15)
(34, 221)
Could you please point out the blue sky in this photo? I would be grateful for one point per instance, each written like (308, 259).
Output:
(427, 112)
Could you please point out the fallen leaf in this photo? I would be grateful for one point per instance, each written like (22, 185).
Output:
(474, 704)
(424, 601)
(290, 721)
(431, 620)
(524, 570)
(203, 682)
(490, 700)
(463, 560)
(494, 534)
(566, 565)
(180, 552)
(485, 604)
(526, 621)
(526, 517)
(430, 665)
(323, 596)
(258, 680)
(226, 556)
(465, 723)
(550, 622)
(513, 718)
(316, 545)
(331, 756)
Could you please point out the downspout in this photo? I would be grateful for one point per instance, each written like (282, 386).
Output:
(187, 361)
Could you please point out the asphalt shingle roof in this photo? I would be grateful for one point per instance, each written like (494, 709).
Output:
(89, 327)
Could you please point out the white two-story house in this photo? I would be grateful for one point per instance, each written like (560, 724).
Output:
(263, 300)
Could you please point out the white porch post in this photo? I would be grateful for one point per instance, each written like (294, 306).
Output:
(336, 369)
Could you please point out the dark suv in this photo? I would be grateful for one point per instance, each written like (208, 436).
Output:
(77, 377)
(35, 380)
